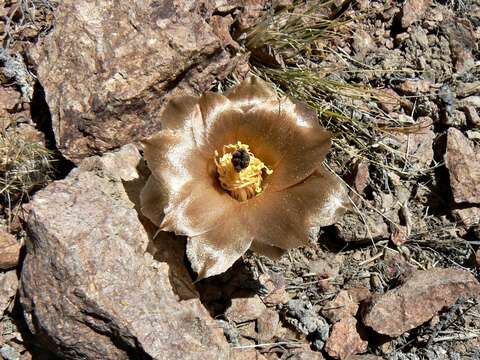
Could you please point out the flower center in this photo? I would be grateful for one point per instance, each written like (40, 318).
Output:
(239, 171)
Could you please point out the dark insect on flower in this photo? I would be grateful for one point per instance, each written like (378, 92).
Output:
(237, 171)
(240, 159)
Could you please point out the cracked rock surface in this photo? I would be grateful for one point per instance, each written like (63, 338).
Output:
(108, 67)
(88, 288)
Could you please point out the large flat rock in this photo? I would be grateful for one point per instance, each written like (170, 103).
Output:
(89, 290)
(107, 67)
(424, 294)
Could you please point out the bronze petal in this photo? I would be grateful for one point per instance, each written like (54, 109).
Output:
(180, 113)
(214, 252)
(173, 159)
(292, 151)
(272, 252)
(153, 199)
(283, 218)
(250, 92)
(306, 117)
(195, 202)
(197, 209)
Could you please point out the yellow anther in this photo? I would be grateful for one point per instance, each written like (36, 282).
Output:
(241, 182)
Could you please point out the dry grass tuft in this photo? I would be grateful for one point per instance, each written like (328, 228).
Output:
(26, 19)
(24, 167)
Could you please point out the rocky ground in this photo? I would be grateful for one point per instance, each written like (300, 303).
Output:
(83, 275)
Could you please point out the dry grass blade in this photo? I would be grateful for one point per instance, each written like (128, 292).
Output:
(24, 166)
(291, 32)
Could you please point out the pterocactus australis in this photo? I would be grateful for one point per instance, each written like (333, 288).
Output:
(237, 171)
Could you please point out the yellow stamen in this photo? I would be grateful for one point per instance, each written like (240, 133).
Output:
(244, 183)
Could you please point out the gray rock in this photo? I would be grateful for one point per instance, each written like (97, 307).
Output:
(306, 320)
(107, 67)
(9, 353)
(89, 290)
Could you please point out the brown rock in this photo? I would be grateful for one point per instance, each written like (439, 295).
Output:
(359, 294)
(362, 43)
(246, 354)
(9, 250)
(473, 101)
(462, 40)
(245, 309)
(477, 258)
(343, 306)
(462, 161)
(422, 296)
(467, 217)
(467, 89)
(345, 339)
(267, 325)
(365, 357)
(362, 176)
(394, 266)
(9, 99)
(306, 355)
(399, 235)
(327, 265)
(418, 145)
(128, 58)
(221, 28)
(86, 254)
(251, 10)
(8, 289)
(352, 227)
(472, 115)
(275, 289)
(413, 87)
(413, 11)
(388, 101)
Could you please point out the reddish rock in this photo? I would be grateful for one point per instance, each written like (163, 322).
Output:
(461, 160)
(249, 13)
(88, 287)
(477, 258)
(129, 58)
(462, 40)
(359, 294)
(275, 289)
(245, 309)
(414, 87)
(399, 235)
(472, 115)
(421, 297)
(362, 176)
(345, 339)
(267, 325)
(9, 251)
(413, 11)
(8, 289)
(221, 28)
(327, 265)
(343, 306)
(394, 266)
(246, 354)
(9, 99)
(389, 101)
